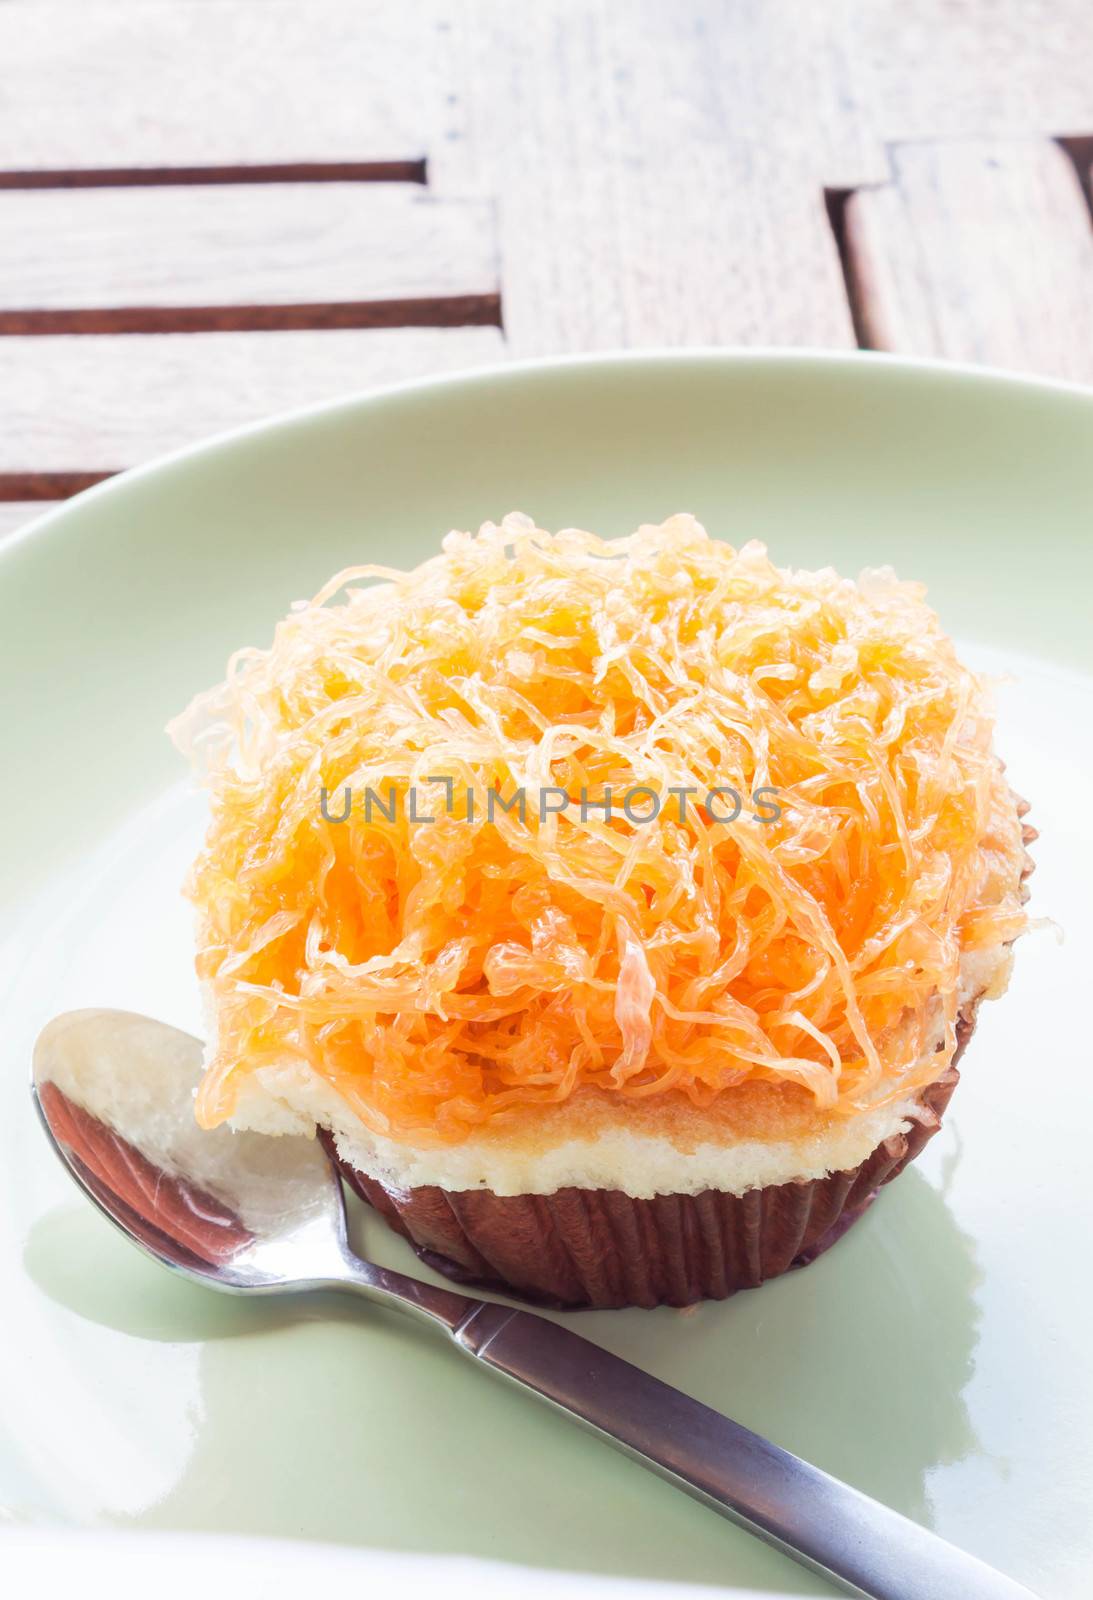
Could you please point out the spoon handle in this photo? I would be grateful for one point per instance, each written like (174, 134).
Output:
(826, 1525)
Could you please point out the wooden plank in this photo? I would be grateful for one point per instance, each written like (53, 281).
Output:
(274, 246)
(958, 69)
(108, 83)
(782, 74)
(628, 212)
(977, 252)
(93, 404)
(117, 84)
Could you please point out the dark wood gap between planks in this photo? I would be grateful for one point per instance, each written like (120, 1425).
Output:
(432, 311)
(46, 486)
(1078, 148)
(835, 203)
(269, 172)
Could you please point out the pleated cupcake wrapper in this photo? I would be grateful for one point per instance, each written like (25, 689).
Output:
(599, 1247)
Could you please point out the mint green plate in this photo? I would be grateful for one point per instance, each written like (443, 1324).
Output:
(937, 1358)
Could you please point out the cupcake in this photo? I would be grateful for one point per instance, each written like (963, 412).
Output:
(616, 910)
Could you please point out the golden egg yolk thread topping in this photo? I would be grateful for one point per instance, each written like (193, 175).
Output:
(439, 975)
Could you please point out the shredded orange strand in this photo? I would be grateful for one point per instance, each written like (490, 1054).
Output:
(439, 975)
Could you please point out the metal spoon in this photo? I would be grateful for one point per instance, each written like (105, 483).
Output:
(258, 1215)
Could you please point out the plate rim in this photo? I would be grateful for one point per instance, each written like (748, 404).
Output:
(916, 368)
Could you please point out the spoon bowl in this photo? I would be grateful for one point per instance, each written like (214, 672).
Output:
(235, 1209)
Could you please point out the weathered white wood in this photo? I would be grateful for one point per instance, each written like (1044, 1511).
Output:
(630, 212)
(957, 69)
(123, 83)
(252, 244)
(977, 252)
(117, 83)
(92, 403)
(657, 172)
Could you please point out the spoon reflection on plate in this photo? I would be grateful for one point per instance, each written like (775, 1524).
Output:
(251, 1214)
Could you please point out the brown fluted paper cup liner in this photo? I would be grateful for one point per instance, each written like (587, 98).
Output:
(599, 1247)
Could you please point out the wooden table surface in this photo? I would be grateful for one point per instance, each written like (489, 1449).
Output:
(211, 210)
